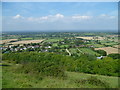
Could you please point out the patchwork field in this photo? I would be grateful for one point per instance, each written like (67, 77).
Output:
(109, 50)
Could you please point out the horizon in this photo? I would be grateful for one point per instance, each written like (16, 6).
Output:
(50, 31)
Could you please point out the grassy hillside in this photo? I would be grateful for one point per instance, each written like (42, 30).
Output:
(14, 79)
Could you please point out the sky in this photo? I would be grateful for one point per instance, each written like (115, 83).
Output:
(59, 16)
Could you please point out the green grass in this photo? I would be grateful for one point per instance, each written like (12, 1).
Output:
(26, 38)
(113, 81)
(53, 40)
(55, 44)
(96, 45)
(64, 45)
(89, 51)
(83, 50)
(0, 76)
(109, 42)
(13, 79)
(73, 50)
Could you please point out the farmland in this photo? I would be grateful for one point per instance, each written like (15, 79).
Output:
(58, 42)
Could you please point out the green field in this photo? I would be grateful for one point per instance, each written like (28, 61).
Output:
(54, 40)
(96, 45)
(64, 45)
(83, 50)
(109, 42)
(26, 38)
(55, 44)
(89, 51)
(73, 50)
(13, 79)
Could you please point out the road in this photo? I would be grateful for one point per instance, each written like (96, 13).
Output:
(68, 52)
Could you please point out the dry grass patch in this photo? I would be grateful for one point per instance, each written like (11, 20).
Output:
(109, 50)
(7, 40)
(27, 42)
(92, 38)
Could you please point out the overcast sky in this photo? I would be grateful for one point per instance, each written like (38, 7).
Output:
(59, 16)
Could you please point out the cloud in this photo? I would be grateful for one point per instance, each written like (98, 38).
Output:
(59, 16)
(105, 16)
(61, 22)
(17, 16)
(81, 17)
(49, 18)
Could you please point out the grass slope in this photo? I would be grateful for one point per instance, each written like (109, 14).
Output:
(13, 79)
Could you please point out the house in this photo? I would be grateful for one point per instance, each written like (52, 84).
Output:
(48, 47)
(24, 48)
(101, 57)
(16, 49)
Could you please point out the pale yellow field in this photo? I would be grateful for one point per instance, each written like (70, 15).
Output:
(117, 46)
(26, 42)
(7, 40)
(92, 38)
(109, 50)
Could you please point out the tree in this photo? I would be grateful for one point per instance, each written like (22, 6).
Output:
(102, 52)
(114, 55)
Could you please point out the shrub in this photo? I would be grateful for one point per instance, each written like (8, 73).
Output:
(114, 55)
(93, 81)
(43, 68)
(102, 52)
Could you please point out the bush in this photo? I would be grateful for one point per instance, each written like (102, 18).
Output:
(51, 64)
(102, 52)
(114, 55)
(43, 68)
(93, 81)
